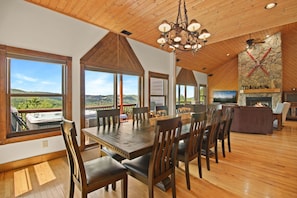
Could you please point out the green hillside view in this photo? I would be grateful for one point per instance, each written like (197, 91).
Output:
(48, 102)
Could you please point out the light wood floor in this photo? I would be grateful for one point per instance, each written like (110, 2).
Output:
(258, 166)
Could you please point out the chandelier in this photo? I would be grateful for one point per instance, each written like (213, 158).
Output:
(182, 35)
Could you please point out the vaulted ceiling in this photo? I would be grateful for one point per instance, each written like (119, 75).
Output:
(231, 23)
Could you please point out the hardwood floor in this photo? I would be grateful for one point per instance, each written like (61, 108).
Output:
(258, 166)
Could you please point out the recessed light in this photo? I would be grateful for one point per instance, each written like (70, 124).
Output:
(270, 6)
(228, 54)
(267, 35)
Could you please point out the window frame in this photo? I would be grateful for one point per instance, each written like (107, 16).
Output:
(116, 80)
(204, 95)
(5, 95)
(161, 76)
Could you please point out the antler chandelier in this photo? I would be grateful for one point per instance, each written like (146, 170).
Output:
(181, 35)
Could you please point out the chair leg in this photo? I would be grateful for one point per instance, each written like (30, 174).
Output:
(151, 189)
(125, 187)
(216, 152)
(199, 165)
(71, 189)
(229, 143)
(223, 147)
(187, 172)
(207, 158)
(84, 194)
(106, 188)
(173, 184)
(114, 186)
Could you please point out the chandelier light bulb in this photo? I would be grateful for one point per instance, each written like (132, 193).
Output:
(164, 27)
(187, 46)
(177, 39)
(194, 26)
(161, 40)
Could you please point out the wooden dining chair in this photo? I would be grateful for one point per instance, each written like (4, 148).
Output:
(224, 131)
(140, 114)
(160, 163)
(90, 175)
(210, 137)
(109, 118)
(190, 148)
(162, 110)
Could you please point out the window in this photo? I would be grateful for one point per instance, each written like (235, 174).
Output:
(202, 94)
(185, 94)
(158, 89)
(105, 90)
(36, 87)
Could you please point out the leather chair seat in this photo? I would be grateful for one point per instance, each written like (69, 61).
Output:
(139, 165)
(104, 167)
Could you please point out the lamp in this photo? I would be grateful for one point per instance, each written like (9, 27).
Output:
(182, 35)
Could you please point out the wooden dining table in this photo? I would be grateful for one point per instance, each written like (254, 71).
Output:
(130, 141)
(127, 140)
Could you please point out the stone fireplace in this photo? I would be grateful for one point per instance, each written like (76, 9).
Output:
(260, 73)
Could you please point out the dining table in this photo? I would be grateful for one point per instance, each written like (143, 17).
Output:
(130, 141)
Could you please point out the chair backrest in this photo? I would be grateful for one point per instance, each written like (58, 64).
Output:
(162, 110)
(140, 114)
(227, 118)
(162, 161)
(194, 142)
(214, 127)
(110, 117)
(77, 169)
(285, 110)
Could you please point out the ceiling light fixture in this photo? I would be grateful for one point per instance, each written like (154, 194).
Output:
(270, 6)
(182, 35)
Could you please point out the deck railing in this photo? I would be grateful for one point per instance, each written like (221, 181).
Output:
(22, 113)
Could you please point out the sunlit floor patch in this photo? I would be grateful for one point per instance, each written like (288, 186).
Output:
(22, 182)
(44, 173)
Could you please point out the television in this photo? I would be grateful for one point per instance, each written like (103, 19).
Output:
(225, 96)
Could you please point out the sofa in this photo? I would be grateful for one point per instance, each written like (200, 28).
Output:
(250, 119)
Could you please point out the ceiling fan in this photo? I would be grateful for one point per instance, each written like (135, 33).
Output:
(250, 43)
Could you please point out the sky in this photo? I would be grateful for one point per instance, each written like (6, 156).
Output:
(35, 76)
(47, 77)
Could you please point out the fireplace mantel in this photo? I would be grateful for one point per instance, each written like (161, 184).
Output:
(257, 91)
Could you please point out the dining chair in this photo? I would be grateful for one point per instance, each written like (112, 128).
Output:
(225, 127)
(140, 114)
(109, 118)
(90, 175)
(160, 163)
(162, 110)
(190, 148)
(210, 136)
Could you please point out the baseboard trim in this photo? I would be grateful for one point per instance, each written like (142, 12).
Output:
(31, 161)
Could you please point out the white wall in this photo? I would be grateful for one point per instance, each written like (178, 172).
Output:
(32, 27)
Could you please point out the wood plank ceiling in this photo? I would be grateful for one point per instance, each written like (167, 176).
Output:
(230, 22)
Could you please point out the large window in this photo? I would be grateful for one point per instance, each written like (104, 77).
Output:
(36, 87)
(185, 94)
(105, 90)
